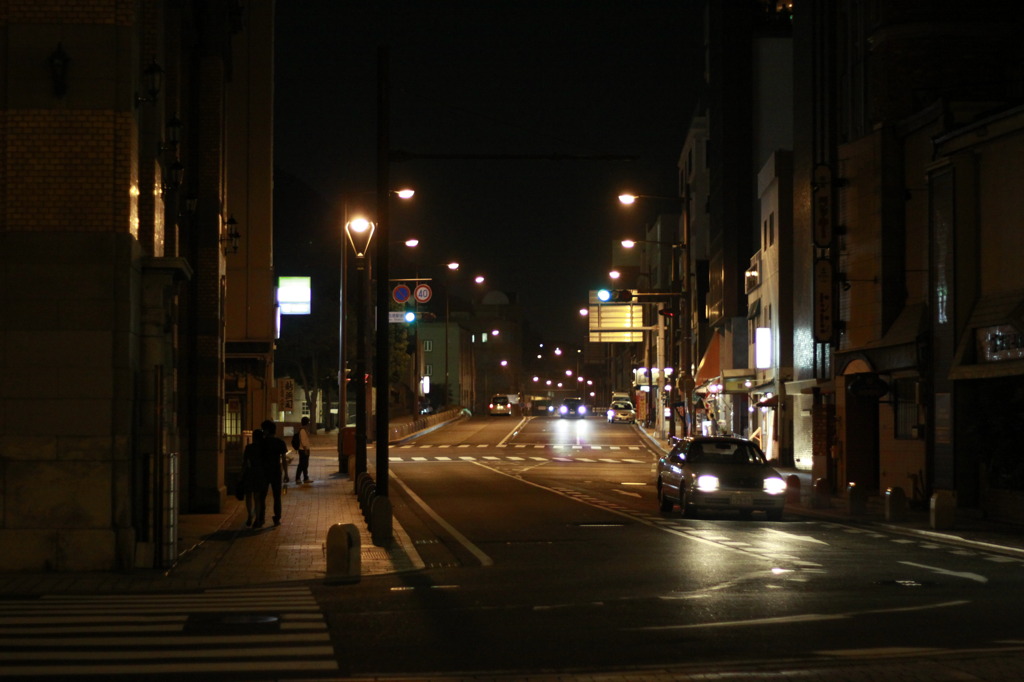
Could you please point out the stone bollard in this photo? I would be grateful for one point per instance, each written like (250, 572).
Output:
(856, 499)
(895, 504)
(343, 554)
(380, 521)
(820, 498)
(943, 509)
(793, 489)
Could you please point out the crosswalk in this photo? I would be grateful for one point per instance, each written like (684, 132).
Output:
(590, 454)
(251, 632)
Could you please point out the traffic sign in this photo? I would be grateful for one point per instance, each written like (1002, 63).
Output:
(396, 316)
(401, 293)
(422, 293)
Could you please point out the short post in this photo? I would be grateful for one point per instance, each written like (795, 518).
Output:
(380, 521)
(943, 509)
(343, 554)
(793, 489)
(856, 499)
(895, 504)
(820, 494)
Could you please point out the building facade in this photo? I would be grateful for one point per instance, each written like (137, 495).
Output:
(118, 221)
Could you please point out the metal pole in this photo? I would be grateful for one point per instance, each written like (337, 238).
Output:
(382, 370)
(360, 378)
(342, 378)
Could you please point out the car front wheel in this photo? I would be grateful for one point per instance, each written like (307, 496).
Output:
(664, 503)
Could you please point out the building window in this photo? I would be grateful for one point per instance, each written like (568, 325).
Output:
(771, 228)
(428, 370)
(905, 403)
(428, 345)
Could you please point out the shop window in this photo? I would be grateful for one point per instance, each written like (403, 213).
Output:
(905, 403)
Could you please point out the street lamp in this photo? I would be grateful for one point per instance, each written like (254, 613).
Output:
(680, 287)
(359, 232)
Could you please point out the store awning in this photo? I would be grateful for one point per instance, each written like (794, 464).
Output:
(710, 366)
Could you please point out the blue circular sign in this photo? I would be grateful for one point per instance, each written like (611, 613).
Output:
(401, 293)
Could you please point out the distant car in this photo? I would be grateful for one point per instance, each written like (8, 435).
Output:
(542, 407)
(721, 473)
(499, 405)
(621, 412)
(572, 408)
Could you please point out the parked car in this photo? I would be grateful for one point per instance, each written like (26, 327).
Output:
(621, 412)
(499, 405)
(722, 473)
(572, 408)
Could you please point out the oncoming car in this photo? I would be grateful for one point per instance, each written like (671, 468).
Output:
(499, 405)
(621, 412)
(572, 408)
(715, 472)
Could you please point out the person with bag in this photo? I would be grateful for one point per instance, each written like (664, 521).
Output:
(300, 441)
(247, 480)
(272, 454)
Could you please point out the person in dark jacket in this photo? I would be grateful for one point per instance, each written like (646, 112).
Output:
(250, 479)
(273, 452)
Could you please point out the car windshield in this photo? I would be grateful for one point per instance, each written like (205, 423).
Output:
(621, 406)
(723, 453)
(500, 401)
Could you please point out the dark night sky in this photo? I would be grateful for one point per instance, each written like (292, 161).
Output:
(495, 77)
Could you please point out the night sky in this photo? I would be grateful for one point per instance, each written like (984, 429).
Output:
(583, 78)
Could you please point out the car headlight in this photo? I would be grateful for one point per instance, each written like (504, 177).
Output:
(563, 409)
(774, 485)
(582, 409)
(707, 482)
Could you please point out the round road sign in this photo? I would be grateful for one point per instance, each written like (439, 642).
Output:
(401, 293)
(422, 293)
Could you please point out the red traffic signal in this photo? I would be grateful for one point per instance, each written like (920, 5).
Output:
(669, 312)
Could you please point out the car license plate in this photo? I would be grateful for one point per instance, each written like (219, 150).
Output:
(741, 500)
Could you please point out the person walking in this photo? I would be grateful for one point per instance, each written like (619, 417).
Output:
(302, 468)
(251, 477)
(273, 452)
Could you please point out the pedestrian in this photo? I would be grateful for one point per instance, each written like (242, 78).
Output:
(273, 452)
(302, 468)
(251, 476)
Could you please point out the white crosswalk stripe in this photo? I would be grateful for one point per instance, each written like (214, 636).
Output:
(256, 632)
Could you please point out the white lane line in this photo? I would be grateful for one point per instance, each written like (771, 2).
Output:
(459, 537)
(791, 536)
(942, 571)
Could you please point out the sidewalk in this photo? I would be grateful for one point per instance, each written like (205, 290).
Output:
(217, 550)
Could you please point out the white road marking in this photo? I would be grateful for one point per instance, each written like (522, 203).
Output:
(942, 571)
(802, 538)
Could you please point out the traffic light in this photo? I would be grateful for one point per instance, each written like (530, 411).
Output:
(622, 295)
(669, 312)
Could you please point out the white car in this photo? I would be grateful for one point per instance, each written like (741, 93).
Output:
(621, 412)
(499, 405)
(720, 473)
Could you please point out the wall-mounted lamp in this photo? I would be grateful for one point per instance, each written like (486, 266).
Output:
(59, 61)
(231, 235)
(173, 135)
(152, 81)
(173, 176)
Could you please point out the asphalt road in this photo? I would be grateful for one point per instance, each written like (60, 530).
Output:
(546, 552)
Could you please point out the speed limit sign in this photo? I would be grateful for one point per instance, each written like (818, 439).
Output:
(422, 293)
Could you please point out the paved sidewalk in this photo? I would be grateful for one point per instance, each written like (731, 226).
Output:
(219, 551)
